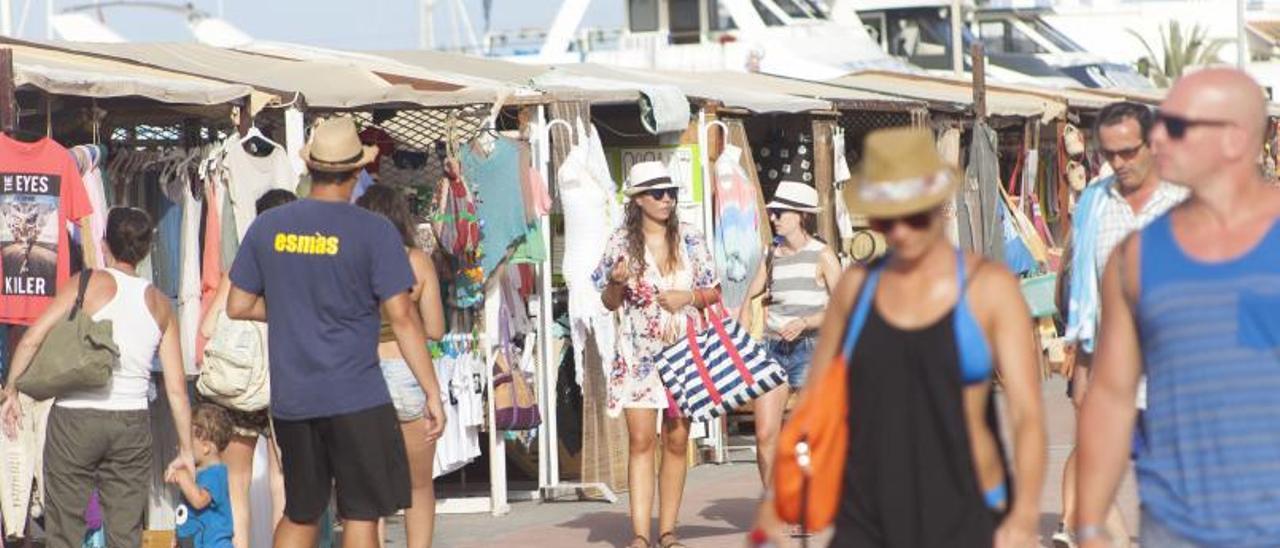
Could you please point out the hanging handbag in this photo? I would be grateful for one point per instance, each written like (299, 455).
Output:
(813, 443)
(235, 373)
(77, 354)
(515, 407)
(718, 370)
(1072, 141)
(1077, 176)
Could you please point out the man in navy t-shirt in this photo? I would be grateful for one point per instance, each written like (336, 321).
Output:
(328, 268)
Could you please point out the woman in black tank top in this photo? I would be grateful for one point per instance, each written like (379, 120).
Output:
(922, 334)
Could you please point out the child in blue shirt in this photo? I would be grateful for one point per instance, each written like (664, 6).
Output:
(204, 517)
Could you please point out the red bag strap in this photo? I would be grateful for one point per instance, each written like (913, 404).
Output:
(692, 337)
(717, 322)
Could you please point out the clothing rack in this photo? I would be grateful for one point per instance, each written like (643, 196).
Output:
(550, 485)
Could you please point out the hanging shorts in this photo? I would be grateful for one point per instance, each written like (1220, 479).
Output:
(361, 454)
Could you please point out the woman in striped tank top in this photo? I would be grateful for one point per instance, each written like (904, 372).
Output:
(798, 275)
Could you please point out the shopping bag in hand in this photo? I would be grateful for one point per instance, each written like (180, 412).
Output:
(719, 369)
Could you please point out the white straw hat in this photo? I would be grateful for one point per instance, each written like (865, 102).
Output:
(793, 196)
(646, 176)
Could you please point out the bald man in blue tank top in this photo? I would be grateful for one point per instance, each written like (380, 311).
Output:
(1193, 300)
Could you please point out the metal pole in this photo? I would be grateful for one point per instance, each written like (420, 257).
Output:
(549, 459)
(957, 40)
(6, 17)
(1242, 39)
(48, 19)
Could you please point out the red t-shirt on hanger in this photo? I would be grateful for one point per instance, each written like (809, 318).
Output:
(40, 190)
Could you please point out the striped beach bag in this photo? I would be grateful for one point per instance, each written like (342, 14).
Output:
(721, 368)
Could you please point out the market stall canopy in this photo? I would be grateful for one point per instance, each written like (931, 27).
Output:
(957, 95)
(443, 71)
(519, 74)
(325, 85)
(61, 72)
(840, 97)
(627, 84)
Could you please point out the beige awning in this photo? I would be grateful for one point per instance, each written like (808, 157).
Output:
(957, 95)
(628, 83)
(841, 97)
(324, 85)
(61, 72)
(497, 70)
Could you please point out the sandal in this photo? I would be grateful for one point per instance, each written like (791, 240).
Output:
(640, 540)
(674, 542)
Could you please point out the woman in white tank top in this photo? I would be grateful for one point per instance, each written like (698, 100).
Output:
(101, 439)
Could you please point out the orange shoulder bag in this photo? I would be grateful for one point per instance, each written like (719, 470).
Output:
(814, 443)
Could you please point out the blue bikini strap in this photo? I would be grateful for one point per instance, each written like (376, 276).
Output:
(866, 297)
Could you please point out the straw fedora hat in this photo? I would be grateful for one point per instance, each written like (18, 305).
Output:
(901, 174)
(335, 146)
(646, 176)
(793, 196)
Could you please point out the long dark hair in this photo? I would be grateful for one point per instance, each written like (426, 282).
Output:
(634, 221)
(389, 203)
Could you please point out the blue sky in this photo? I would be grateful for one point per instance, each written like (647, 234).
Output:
(345, 24)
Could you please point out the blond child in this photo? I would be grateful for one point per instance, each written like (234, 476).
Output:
(204, 517)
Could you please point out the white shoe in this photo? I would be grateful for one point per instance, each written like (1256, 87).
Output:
(1061, 538)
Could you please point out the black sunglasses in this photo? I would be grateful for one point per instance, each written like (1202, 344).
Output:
(659, 193)
(1126, 154)
(778, 212)
(918, 221)
(1177, 126)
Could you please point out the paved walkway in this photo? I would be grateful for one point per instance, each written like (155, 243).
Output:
(719, 505)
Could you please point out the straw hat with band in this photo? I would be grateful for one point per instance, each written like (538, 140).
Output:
(901, 174)
(646, 176)
(335, 146)
(793, 196)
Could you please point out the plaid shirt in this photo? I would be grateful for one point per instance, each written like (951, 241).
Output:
(1117, 219)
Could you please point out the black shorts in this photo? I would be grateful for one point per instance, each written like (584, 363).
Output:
(361, 454)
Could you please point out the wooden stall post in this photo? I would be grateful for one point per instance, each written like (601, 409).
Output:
(246, 118)
(824, 178)
(979, 81)
(8, 101)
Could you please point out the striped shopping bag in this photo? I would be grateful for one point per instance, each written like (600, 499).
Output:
(721, 368)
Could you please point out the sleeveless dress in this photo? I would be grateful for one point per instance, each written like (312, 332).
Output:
(910, 479)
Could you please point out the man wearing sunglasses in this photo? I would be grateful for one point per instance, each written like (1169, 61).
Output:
(1193, 301)
(1107, 211)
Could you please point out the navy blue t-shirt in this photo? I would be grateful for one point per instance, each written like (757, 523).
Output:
(324, 269)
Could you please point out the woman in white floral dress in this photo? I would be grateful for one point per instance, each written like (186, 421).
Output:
(658, 273)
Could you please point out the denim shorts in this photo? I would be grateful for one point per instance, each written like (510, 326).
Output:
(795, 357)
(406, 394)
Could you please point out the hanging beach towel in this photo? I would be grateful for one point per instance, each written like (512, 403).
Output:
(737, 242)
(458, 228)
